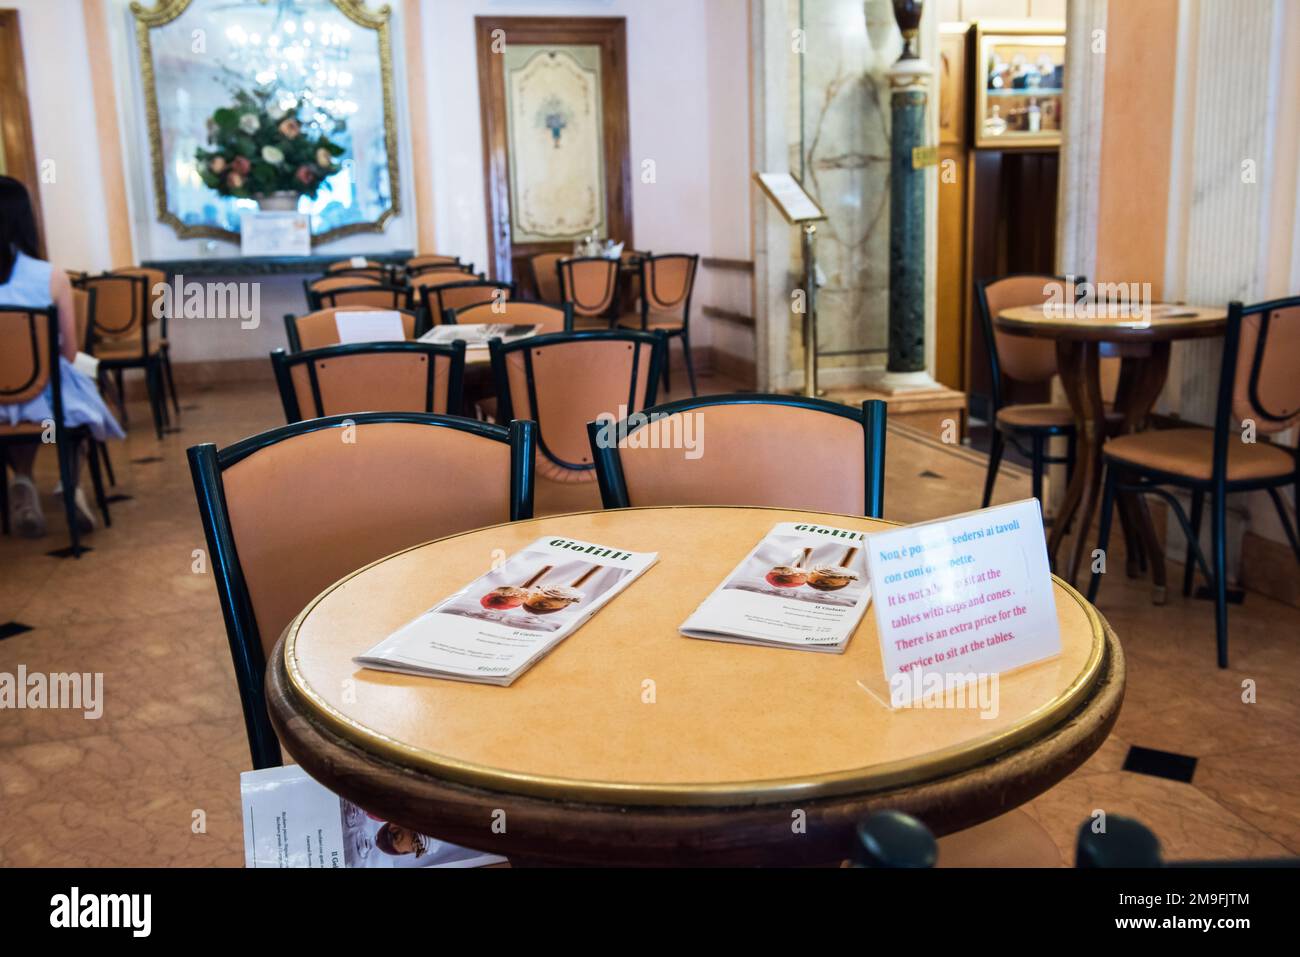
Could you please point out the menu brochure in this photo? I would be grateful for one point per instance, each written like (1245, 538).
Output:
(476, 335)
(495, 628)
(803, 586)
(290, 820)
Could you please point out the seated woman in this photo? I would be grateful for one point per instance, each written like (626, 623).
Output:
(31, 282)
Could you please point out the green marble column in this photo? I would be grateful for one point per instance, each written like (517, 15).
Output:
(906, 230)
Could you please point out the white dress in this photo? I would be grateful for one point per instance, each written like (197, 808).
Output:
(29, 287)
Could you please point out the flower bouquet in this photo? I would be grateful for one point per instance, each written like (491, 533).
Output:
(259, 148)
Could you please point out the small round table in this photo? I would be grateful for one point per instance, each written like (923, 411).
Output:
(1143, 344)
(632, 744)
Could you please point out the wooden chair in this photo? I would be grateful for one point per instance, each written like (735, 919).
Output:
(29, 361)
(319, 329)
(156, 280)
(515, 312)
(546, 276)
(370, 296)
(1027, 360)
(751, 442)
(440, 300)
(122, 335)
(292, 510)
(371, 269)
(565, 380)
(1259, 383)
(590, 284)
(666, 284)
(419, 265)
(370, 376)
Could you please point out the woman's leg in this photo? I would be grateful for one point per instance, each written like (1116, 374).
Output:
(24, 501)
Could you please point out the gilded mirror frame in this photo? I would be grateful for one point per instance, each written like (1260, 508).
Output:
(164, 12)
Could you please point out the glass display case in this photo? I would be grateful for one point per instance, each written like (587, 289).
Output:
(1018, 85)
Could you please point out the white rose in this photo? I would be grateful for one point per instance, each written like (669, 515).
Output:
(272, 155)
(275, 111)
(248, 123)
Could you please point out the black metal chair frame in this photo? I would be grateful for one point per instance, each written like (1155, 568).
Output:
(645, 265)
(65, 437)
(1125, 477)
(283, 364)
(428, 299)
(207, 464)
(871, 416)
(1038, 435)
(500, 352)
(328, 299)
(564, 269)
(156, 366)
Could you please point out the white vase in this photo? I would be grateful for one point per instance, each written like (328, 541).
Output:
(284, 201)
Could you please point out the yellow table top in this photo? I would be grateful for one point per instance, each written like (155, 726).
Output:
(726, 723)
(1165, 319)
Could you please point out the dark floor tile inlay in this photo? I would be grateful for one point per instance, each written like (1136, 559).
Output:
(119, 497)
(147, 460)
(928, 474)
(1160, 764)
(10, 628)
(1235, 595)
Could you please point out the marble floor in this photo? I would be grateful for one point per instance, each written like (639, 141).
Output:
(155, 781)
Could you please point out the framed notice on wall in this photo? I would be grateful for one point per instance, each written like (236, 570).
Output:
(790, 198)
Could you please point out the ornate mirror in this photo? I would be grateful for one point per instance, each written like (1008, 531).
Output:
(278, 103)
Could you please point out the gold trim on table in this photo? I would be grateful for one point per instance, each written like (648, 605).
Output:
(931, 766)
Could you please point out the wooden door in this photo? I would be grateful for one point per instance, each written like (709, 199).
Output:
(553, 96)
(17, 151)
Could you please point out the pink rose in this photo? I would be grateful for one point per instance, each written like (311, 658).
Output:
(217, 164)
(324, 158)
(234, 180)
(241, 165)
(305, 175)
(289, 128)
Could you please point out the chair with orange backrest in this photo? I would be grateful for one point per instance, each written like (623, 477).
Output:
(440, 300)
(431, 279)
(290, 511)
(565, 380)
(546, 276)
(157, 281)
(752, 441)
(29, 362)
(318, 329)
(666, 284)
(372, 296)
(418, 265)
(1259, 394)
(1022, 359)
(518, 312)
(361, 266)
(313, 288)
(122, 334)
(370, 376)
(590, 284)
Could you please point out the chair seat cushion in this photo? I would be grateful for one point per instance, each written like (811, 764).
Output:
(1189, 452)
(1038, 415)
(110, 351)
(20, 429)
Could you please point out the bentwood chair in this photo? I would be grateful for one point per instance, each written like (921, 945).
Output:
(122, 335)
(157, 281)
(29, 361)
(546, 276)
(385, 376)
(289, 511)
(438, 300)
(770, 450)
(666, 284)
(565, 380)
(515, 312)
(1259, 388)
(319, 329)
(1026, 360)
(590, 284)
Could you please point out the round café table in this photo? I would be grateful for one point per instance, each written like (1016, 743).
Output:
(1142, 343)
(632, 744)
